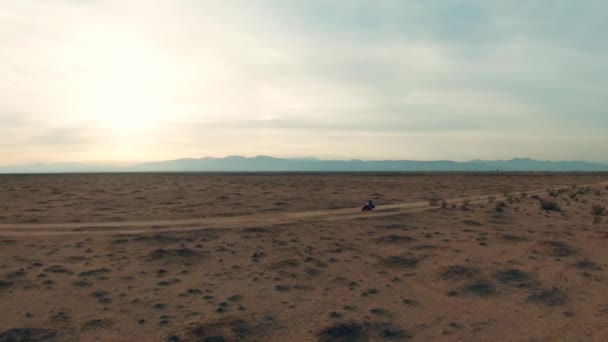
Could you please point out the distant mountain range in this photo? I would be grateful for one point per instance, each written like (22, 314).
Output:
(271, 164)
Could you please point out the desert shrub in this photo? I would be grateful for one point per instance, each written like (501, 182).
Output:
(28, 334)
(465, 205)
(500, 207)
(472, 223)
(365, 331)
(480, 288)
(455, 272)
(400, 261)
(598, 210)
(549, 205)
(343, 332)
(588, 265)
(434, 202)
(512, 276)
(559, 249)
(585, 190)
(549, 297)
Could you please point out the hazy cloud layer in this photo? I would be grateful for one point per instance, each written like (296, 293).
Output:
(122, 81)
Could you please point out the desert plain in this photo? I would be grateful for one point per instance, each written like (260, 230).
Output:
(291, 257)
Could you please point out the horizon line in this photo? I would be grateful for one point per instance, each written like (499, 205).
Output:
(135, 163)
(126, 165)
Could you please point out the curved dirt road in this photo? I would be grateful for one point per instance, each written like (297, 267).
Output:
(242, 221)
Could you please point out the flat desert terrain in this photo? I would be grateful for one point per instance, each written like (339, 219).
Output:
(291, 257)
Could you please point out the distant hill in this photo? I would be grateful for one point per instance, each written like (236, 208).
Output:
(272, 164)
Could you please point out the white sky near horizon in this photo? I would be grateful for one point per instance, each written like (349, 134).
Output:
(129, 81)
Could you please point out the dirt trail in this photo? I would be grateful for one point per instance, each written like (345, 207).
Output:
(242, 221)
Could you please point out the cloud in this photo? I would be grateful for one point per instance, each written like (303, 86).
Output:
(132, 80)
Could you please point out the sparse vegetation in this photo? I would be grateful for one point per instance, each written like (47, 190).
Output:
(466, 205)
(513, 238)
(395, 239)
(343, 332)
(28, 334)
(221, 330)
(98, 324)
(6, 284)
(173, 254)
(282, 288)
(500, 207)
(94, 273)
(556, 192)
(549, 297)
(511, 276)
(559, 249)
(549, 205)
(598, 210)
(367, 331)
(400, 261)
(57, 269)
(587, 265)
(192, 281)
(458, 272)
(378, 311)
(472, 223)
(480, 288)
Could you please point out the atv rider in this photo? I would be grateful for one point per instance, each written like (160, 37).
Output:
(368, 206)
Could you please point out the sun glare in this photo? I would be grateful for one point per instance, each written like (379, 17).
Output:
(127, 88)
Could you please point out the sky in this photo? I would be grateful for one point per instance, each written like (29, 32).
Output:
(125, 81)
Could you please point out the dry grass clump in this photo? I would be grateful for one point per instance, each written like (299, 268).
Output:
(598, 210)
(549, 297)
(549, 205)
(434, 202)
(500, 207)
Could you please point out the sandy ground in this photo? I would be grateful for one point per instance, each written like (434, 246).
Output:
(290, 257)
